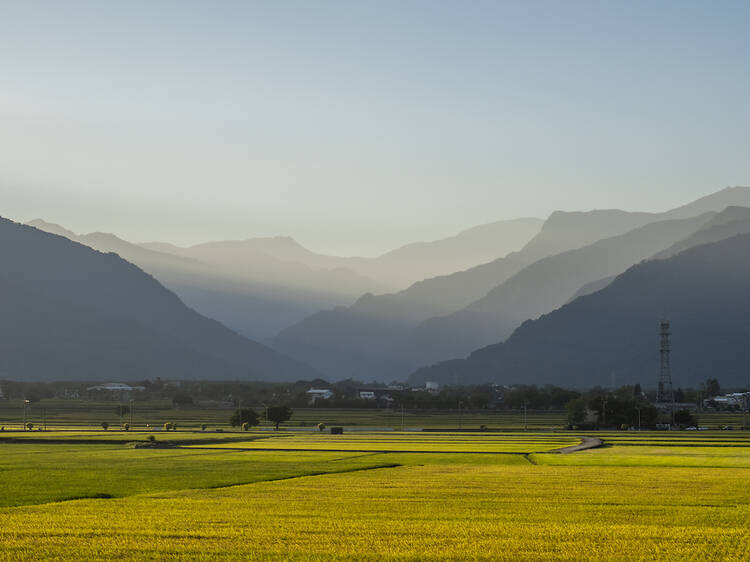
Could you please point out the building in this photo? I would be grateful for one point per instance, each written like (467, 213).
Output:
(315, 394)
(430, 387)
(113, 390)
(385, 394)
(732, 401)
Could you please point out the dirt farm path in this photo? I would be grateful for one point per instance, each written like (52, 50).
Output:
(586, 443)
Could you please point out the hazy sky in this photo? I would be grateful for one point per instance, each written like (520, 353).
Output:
(358, 126)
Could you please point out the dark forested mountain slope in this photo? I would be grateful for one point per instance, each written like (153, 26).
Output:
(539, 288)
(704, 291)
(70, 312)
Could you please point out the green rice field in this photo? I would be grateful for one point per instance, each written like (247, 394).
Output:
(432, 495)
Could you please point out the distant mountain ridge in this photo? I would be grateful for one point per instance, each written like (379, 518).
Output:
(72, 313)
(386, 335)
(541, 287)
(259, 286)
(369, 336)
(704, 291)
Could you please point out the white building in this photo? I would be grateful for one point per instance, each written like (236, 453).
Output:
(318, 394)
(730, 401)
(114, 390)
(367, 395)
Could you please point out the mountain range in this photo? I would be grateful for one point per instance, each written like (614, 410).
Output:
(69, 312)
(101, 304)
(613, 333)
(261, 285)
(388, 336)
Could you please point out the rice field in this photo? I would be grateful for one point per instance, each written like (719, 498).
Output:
(409, 442)
(441, 496)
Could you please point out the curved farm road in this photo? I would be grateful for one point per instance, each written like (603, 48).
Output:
(586, 443)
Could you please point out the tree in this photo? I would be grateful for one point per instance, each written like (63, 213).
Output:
(712, 387)
(279, 414)
(182, 399)
(684, 417)
(576, 411)
(122, 410)
(105, 426)
(242, 416)
(321, 426)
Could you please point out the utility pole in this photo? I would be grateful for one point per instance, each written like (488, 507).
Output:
(604, 410)
(132, 405)
(402, 416)
(665, 392)
(44, 417)
(25, 405)
(639, 418)
(525, 417)
(459, 414)
(239, 409)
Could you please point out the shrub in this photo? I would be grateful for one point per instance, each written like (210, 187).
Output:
(29, 426)
(321, 426)
(245, 426)
(203, 427)
(126, 426)
(105, 426)
(151, 439)
(167, 426)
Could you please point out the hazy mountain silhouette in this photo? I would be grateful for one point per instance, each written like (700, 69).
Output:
(540, 288)
(382, 336)
(737, 196)
(358, 340)
(260, 286)
(396, 269)
(704, 291)
(70, 312)
(257, 295)
(564, 230)
(474, 246)
(367, 338)
(730, 222)
(550, 282)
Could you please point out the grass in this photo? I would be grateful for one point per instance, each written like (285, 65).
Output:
(651, 496)
(650, 456)
(86, 414)
(89, 414)
(414, 441)
(63, 472)
(116, 436)
(435, 511)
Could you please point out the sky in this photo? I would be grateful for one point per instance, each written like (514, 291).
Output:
(356, 127)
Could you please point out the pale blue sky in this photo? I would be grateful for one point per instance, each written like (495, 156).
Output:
(358, 126)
